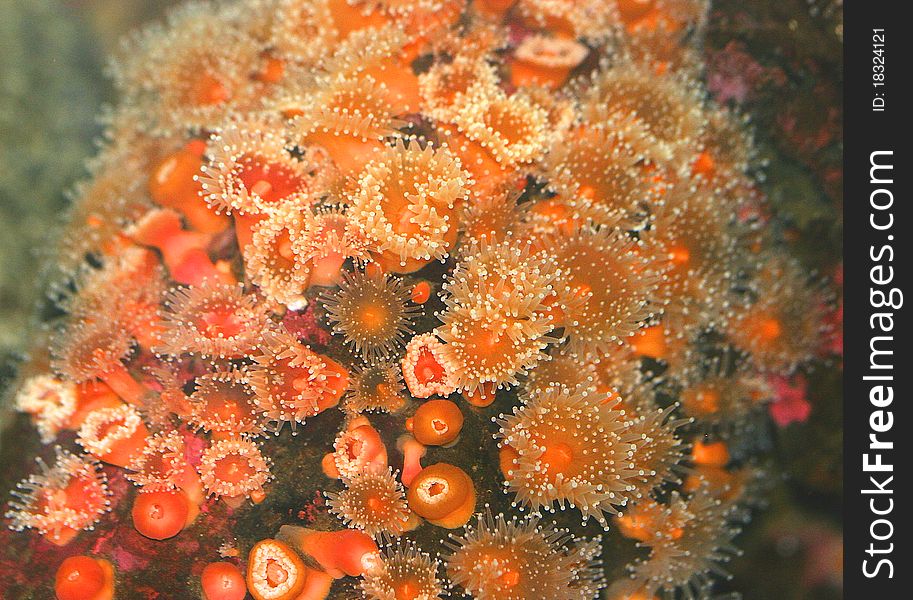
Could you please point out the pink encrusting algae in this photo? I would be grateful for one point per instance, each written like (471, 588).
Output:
(481, 256)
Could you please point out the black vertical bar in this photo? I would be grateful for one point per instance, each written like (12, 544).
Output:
(876, 270)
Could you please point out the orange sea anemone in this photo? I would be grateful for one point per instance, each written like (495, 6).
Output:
(513, 559)
(223, 403)
(445, 85)
(129, 285)
(61, 500)
(509, 276)
(403, 571)
(275, 571)
(162, 465)
(358, 447)
(178, 79)
(98, 209)
(781, 321)
(332, 237)
(693, 244)
(339, 553)
(589, 19)
(512, 130)
(425, 370)
(373, 501)
(491, 217)
(566, 448)
(443, 494)
(486, 347)
(545, 60)
(114, 435)
(608, 290)
(173, 183)
(373, 313)
(50, 402)
(723, 394)
(292, 382)
(86, 350)
(84, 578)
(185, 253)
(234, 469)
(413, 452)
(660, 451)
(667, 106)
(436, 423)
(160, 515)
(405, 202)
(212, 320)
(693, 542)
(274, 259)
(376, 387)
(251, 168)
(222, 581)
(608, 161)
(562, 371)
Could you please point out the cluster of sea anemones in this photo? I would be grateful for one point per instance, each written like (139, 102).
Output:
(479, 255)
